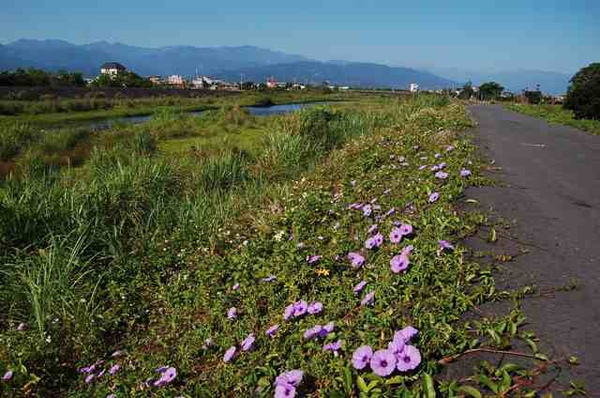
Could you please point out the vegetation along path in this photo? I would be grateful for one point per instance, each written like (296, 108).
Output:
(553, 191)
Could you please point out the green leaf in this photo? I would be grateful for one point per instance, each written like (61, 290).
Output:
(493, 236)
(395, 380)
(506, 381)
(347, 380)
(362, 386)
(470, 391)
(488, 383)
(428, 387)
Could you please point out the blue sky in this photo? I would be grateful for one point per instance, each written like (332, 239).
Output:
(477, 35)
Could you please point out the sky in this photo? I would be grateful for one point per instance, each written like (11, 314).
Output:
(482, 35)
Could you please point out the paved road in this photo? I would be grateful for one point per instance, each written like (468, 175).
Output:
(552, 190)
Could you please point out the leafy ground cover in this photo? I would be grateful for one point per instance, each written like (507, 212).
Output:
(327, 263)
(556, 114)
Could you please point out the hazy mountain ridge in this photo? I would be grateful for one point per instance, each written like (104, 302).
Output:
(224, 62)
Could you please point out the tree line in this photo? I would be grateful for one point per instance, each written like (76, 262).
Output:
(40, 78)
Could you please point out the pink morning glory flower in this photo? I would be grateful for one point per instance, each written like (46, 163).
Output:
(229, 354)
(369, 299)
(359, 287)
(383, 363)
(315, 307)
(232, 313)
(248, 342)
(362, 357)
(395, 235)
(399, 263)
(409, 359)
(272, 330)
(434, 197)
(356, 259)
(465, 173)
(7, 376)
(167, 377)
(442, 175)
(114, 369)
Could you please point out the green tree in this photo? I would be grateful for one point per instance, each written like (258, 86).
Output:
(583, 97)
(490, 91)
(467, 91)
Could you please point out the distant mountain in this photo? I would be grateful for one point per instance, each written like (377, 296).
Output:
(355, 74)
(223, 62)
(517, 80)
(87, 58)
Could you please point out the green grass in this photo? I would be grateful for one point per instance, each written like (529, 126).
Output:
(556, 114)
(138, 251)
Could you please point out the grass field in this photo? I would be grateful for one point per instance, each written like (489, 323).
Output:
(275, 244)
(555, 114)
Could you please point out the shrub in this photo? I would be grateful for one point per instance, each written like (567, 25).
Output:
(583, 97)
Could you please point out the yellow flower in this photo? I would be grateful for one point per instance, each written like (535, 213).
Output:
(322, 272)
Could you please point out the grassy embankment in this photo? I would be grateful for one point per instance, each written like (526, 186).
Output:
(141, 254)
(556, 114)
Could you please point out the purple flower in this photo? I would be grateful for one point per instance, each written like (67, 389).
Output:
(272, 330)
(22, 326)
(383, 363)
(236, 286)
(372, 229)
(434, 197)
(355, 206)
(116, 354)
(399, 263)
(101, 373)
(292, 378)
(395, 235)
(359, 287)
(406, 229)
(269, 278)
(289, 312)
(408, 249)
(449, 148)
(465, 173)
(285, 391)
(422, 167)
(442, 165)
(89, 378)
(313, 259)
(396, 347)
(371, 243)
(369, 298)
(437, 155)
(367, 210)
(356, 259)
(361, 357)
(378, 239)
(315, 307)
(409, 359)
(167, 377)
(313, 332)
(7, 376)
(328, 328)
(300, 308)
(390, 212)
(114, 369)
(111, 396)
(333, 347)
(229, 354)
(248, 342)
(405, 335)
(232, 313)
(442, 175)
(444, 245)
(434, 167)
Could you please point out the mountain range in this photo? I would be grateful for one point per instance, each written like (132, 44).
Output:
(251, 63)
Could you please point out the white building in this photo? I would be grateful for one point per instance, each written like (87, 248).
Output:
(112, 68)
(175, 80)
(414, 87)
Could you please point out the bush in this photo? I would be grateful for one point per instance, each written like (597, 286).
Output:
(583, 97)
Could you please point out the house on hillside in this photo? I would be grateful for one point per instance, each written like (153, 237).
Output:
(112, 68)
(155, 79)
(414, 87)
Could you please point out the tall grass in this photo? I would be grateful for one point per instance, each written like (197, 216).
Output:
(75, 243)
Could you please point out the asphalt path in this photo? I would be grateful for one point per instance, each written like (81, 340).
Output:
(549, 184)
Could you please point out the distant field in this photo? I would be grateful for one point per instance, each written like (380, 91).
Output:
(555, 114)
